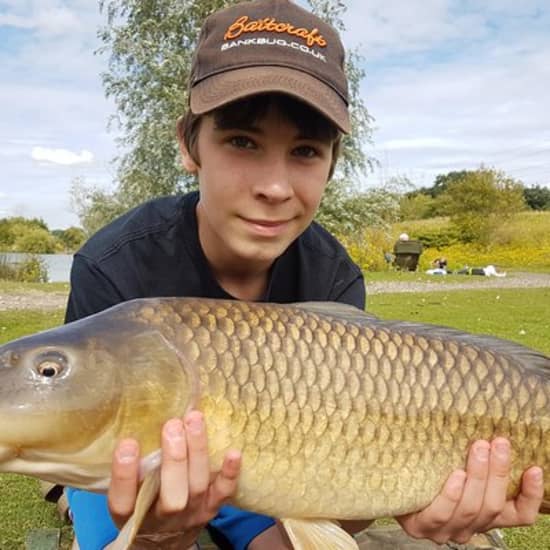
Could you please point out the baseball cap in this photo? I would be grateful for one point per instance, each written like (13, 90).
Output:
(269, 46)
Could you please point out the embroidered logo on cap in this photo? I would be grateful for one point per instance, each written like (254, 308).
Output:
(243, 25)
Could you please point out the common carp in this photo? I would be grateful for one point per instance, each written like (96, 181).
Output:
(338, 415)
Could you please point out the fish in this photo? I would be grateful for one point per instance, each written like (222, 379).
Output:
(338, 415)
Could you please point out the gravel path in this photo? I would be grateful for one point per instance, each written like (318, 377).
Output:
(46, 301)
(33, 299)
(514, 280)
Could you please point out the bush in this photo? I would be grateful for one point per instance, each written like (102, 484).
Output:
(438, 238)
(368, 251)
(30, 270)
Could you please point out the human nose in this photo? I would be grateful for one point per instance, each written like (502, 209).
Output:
(274, 183)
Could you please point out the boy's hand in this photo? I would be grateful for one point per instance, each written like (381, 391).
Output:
(189, 496)
(474, 501)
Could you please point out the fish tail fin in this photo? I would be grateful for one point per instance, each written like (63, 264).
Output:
(318, 535)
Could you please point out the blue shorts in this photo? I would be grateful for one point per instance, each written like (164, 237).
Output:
(94, 528)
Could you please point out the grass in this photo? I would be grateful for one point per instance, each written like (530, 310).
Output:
(21, 505)
(522, 315)
(13, 287)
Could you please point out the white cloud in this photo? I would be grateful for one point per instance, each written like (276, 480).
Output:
(61, 156)
(12, 20)
(48, 19)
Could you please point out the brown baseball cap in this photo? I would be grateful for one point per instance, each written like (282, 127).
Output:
(269, 46)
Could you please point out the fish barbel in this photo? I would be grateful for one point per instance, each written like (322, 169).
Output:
(338, 415)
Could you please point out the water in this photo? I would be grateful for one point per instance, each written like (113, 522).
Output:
(58, 265)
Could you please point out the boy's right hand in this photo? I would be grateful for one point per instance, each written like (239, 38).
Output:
(189, 496)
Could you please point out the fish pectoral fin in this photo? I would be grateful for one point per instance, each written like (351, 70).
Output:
(147, 494)
(318, 534)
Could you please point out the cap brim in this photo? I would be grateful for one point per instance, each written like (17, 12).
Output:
(223, 88)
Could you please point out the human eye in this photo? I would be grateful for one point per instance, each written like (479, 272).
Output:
(306, 151)
(241, 142)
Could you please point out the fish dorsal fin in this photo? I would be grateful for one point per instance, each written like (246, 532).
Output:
(318, 534)
(344, 312)
(147, 494)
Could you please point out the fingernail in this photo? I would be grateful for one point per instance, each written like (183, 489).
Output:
(174, 429)
(481, 452)
(502, 448)
(195, 423)
(456, 482)
(537, 475)
(127, 452)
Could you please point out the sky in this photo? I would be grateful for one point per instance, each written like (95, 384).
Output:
(450, 84)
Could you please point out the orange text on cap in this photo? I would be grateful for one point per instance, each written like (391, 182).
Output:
(270, 24)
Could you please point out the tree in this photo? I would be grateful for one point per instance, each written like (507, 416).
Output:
(480, 200)
(150, 45)
(95, 207)
(72, 238)
(34, 240)
(18, 234)
(537, 197)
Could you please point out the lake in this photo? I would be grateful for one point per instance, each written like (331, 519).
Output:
(58, 265)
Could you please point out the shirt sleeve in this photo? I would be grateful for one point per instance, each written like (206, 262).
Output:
(234, 528)
(91, 290)
(353, 294)
(92, 523)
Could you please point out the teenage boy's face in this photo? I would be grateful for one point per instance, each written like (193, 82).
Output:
(259, 188)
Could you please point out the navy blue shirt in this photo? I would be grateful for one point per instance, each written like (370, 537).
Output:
(154, 250)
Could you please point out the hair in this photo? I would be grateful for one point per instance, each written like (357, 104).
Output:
(243, 113)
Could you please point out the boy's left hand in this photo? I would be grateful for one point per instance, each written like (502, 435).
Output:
(474, 500)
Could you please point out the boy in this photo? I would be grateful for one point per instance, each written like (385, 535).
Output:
(268, 104)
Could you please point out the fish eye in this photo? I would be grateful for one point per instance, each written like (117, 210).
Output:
(50, 365)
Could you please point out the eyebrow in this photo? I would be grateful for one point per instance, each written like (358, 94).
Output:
(258, 131)
(245, 127)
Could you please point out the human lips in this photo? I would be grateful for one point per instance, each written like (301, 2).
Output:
(267, 227)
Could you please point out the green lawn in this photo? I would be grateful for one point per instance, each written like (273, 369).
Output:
(21, 505)
(14, 287)
(522, 315)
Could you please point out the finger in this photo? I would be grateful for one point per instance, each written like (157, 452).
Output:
(430, 521)
(174, 479)
(123, 488)
(497, 484)
(525, 508)
(197, 445)
(226, 482)
(477, 470)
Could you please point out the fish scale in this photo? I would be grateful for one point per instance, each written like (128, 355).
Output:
(337, 414)
(378, 419)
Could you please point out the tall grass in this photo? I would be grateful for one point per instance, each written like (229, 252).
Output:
(32, 269)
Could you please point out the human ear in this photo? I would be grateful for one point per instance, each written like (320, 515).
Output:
(187, 160)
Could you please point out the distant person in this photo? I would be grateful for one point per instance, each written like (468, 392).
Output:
(439, 267)
(407, 252)
(488, 271)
